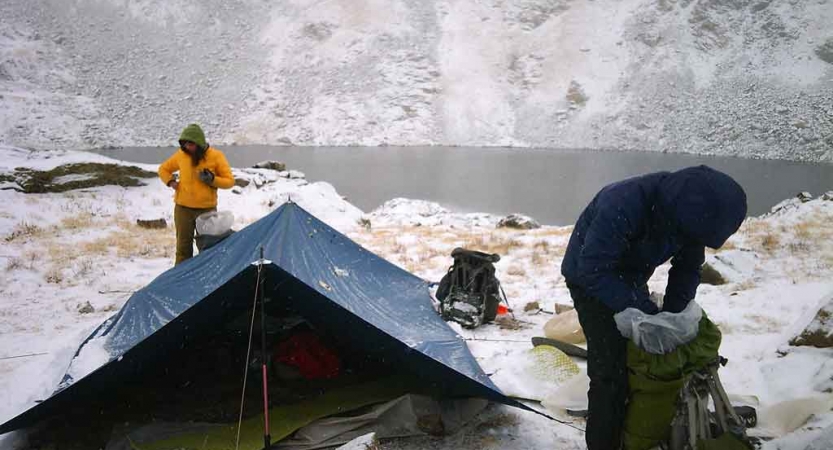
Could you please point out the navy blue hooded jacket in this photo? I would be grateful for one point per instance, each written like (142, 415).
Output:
(635, 225)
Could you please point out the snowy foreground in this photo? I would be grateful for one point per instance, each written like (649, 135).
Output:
(70, 260)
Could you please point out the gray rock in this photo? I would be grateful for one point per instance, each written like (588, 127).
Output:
(152, 223)
(86, 308)
(271, 165)
(518, 222)
(804, 197)
(710, 275)
(819, 332)
(532, 306)
(366, 442)
(825, 51)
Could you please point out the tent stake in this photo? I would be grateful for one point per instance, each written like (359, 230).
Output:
(266, 435)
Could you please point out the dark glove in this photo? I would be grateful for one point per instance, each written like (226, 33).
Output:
(206, 176)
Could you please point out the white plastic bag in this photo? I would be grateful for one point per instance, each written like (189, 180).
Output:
(215, 223)
(661, 333)
(570, 396)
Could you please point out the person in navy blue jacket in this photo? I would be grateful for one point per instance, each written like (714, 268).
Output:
(626, 231)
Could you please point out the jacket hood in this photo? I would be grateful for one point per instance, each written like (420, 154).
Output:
(705, 204)
(193, 133)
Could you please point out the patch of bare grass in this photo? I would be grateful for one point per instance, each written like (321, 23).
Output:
(770, 242)
(139, 242)
(24, 230)
(13, 264)
(516, 271)
(745, 285)
(728, 245)
(54, 276)
(492, 242)
(761, 234)
(78, 176)
(82, 267)
(77, 222)
(540, 259)
(97, 247)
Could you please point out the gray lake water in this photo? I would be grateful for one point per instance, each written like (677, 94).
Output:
(553, 186)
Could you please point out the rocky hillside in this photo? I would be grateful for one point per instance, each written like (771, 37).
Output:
(730, 77)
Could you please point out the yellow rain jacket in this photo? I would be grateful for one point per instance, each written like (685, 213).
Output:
(192, 192)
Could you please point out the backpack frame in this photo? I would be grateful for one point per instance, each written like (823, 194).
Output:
(469, 293)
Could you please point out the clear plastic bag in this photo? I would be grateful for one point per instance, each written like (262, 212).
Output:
(660, 333)
(215, 223)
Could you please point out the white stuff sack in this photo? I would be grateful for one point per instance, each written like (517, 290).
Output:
(660, 333)
(215, 223)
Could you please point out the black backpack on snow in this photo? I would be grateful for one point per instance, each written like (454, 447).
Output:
(469, 293)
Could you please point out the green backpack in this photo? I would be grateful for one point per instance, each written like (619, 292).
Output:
(670, 396)
(469, 293)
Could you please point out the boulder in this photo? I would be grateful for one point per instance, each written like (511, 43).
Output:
(365, 442)
(518, 222)
(271, 165)
(728, 266)
(710, 275)
(532, 306)
(153, 224)
(295, 175)
(819, 332)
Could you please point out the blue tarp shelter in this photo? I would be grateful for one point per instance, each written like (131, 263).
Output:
(330, 280)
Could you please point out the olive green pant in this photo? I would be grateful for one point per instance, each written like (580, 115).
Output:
(185, 222)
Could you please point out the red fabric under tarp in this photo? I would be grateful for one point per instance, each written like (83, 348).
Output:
(305, 351)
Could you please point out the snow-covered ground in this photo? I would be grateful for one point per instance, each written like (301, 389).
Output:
(61, 251)
(729, 77)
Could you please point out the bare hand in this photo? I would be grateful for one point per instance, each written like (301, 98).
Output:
(173, 184)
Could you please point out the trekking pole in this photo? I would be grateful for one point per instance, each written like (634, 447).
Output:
(266, 436)
(248, 350)
(506, 300)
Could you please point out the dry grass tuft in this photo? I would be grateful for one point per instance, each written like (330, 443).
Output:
(728, 245)
(770, 242)
(14, 264)
(493, 242)
(97, 247)
(745, 285)
(541, 259)
(54, 276)
(82, 267)
(77, 222)
(24, 230)
(139, 242)
(516, 271)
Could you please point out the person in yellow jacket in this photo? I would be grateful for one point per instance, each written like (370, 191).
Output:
(202, 169)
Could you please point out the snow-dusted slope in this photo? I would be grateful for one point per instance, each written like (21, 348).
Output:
(739, 77)
(71, 259)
